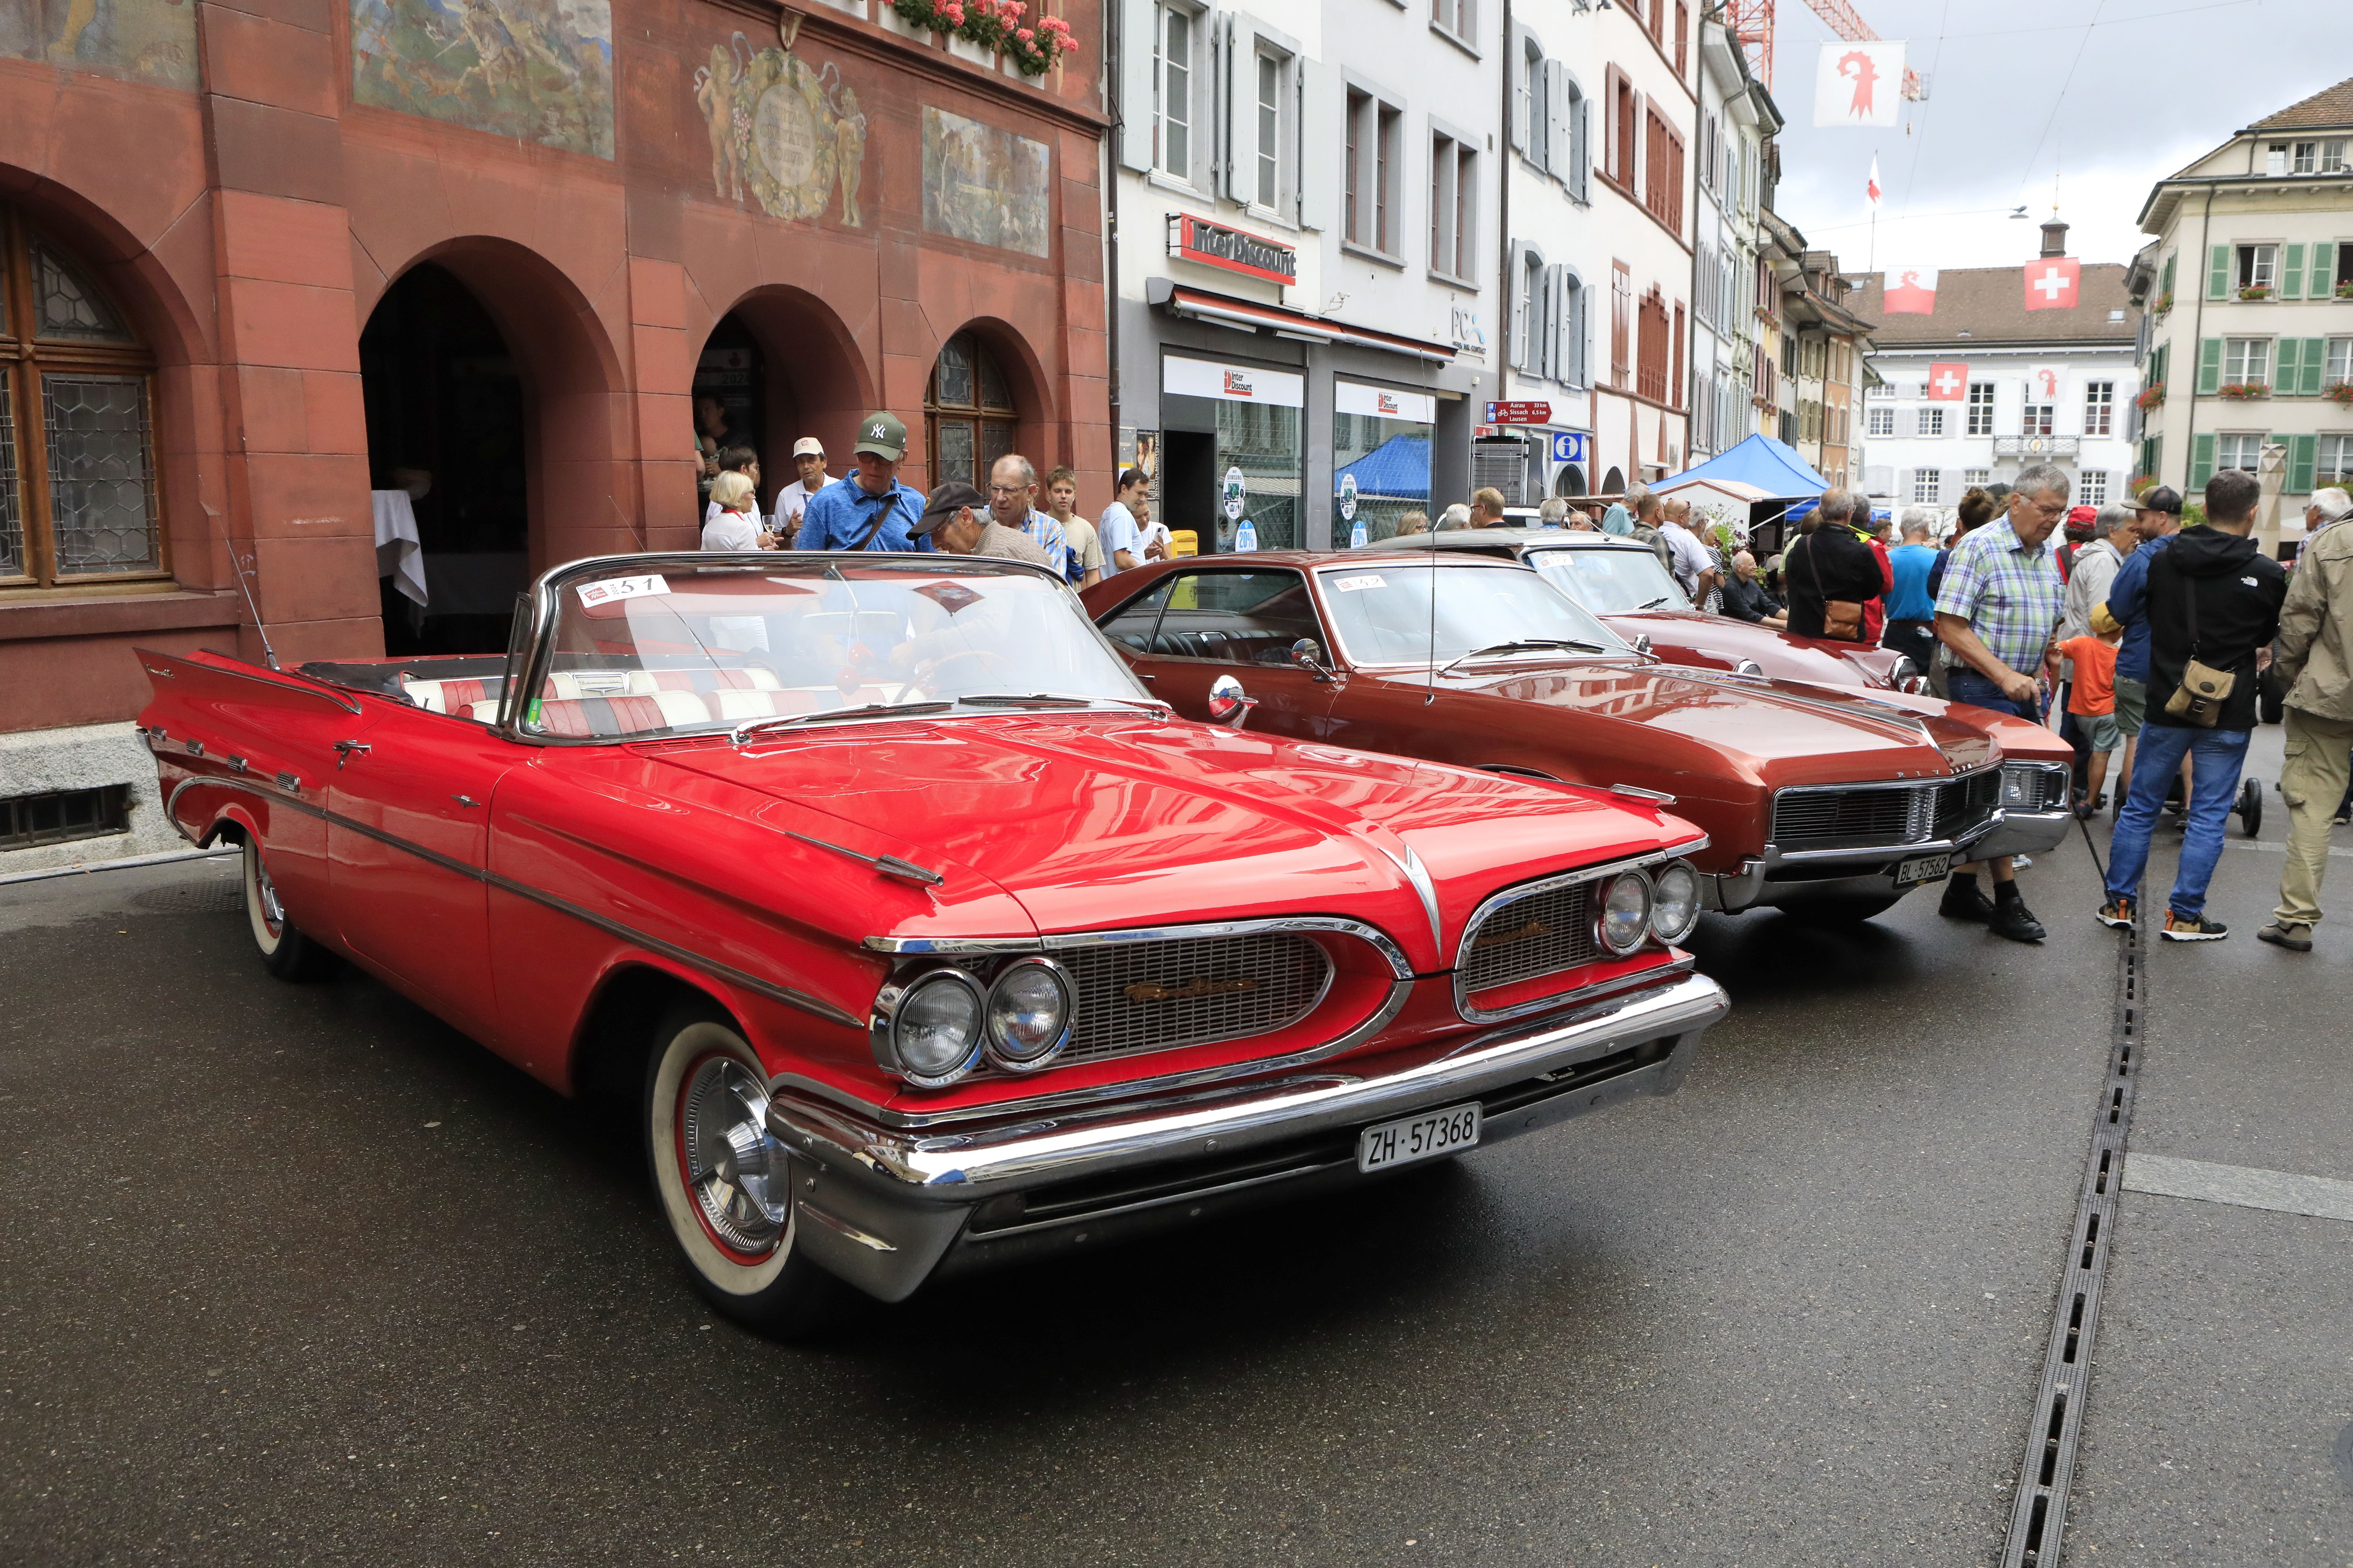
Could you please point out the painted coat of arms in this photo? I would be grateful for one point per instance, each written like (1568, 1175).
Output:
(786, 130)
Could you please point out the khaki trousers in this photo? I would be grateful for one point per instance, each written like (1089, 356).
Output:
(2319, 761)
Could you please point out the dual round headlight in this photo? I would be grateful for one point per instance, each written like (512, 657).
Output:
(1635, 906)
(945, 1021)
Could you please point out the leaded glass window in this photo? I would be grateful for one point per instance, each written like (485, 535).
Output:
(77, 485)
(968, 413)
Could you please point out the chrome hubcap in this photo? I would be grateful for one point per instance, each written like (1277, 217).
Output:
(733, 1169)
(274, 913)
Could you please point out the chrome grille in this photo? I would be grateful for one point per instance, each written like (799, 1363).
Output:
(1543, 933)
(1191, 991)
(1869, 816)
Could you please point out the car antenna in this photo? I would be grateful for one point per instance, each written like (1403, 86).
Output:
(1430, 686)
(245, 581)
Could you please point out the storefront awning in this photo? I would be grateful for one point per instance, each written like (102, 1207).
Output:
(1199, 304)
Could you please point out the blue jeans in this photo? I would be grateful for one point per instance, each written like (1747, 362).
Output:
(1967, 686)
(2216, 758)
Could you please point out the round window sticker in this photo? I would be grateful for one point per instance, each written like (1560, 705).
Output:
(1237, 487)
(1348, 497)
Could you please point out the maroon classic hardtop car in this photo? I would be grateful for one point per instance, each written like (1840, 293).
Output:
(1621, 581)
(1830, 801)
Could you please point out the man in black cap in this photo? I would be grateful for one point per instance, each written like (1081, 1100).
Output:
(2157, 518)
(869, 510)
(956, 519)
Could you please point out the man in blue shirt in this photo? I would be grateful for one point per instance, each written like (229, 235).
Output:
(1911, 608)
(1013, 503)
(2158, 520)
(869, 510)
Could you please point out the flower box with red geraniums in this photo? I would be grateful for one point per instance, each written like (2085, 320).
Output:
(2150, 398)
(2256, 291)
(2242, 390)
(2340, 392)
(996, 26)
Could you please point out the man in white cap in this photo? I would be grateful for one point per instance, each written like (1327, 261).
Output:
(808, 456)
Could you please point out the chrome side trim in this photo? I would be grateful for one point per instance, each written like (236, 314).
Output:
(1101, 1094)
(913, 1171)
(279, 679)
(1427, 891)
(800, 1000)
(1064, 942)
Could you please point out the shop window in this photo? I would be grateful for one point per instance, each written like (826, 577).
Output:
(1380, 459)
(78, 502)
(968, 416)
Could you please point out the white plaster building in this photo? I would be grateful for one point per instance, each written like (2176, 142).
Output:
(1302, 242)
(2249, 287)
(1736, 118)
(2026, 386)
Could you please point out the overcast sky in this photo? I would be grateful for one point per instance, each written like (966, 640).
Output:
(2107, 96)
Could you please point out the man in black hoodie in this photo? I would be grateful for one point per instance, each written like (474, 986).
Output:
(1829, 561)
(2216, 598)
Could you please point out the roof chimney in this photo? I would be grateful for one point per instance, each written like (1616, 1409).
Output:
(2054, 239)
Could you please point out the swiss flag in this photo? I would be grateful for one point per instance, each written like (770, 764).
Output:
(1948, 381)
(2051, 283)
(1911, 292)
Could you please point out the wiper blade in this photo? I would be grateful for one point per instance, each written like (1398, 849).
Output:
(863, 711)
(1054, 700)
(1517, 643)
(1654, 604)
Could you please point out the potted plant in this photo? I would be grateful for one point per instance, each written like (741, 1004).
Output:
(2164, 305)
(2340, 392)
(2345, 289)
(2151, 397)
(2242, 390)
(2256, 291)
(979, 30)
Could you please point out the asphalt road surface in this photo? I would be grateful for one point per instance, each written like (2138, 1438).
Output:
(297, 1274)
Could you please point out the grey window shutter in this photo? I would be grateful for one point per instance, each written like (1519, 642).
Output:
(1581, 149)
(1901, 493)
(1582, 338)
(1907, 422)
(1322, 138)
(1552, 360)
(1559, 149)
(1564, 315)
(1517, 327)
(1880, 481)
(1516, 63)
(1136, 19)
(1949, 486)
(1241, 77)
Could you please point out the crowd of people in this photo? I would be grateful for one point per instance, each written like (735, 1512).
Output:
(2129, 634)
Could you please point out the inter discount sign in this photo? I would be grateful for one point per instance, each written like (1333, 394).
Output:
(1215, 244)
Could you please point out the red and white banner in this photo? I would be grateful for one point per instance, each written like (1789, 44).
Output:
(1859, 84)
(2051, 283)
(1909, 291)
(1948, 381)
(1871, 185)
(2043, 381)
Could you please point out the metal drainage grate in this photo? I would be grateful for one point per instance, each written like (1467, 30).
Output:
(2038, 1518)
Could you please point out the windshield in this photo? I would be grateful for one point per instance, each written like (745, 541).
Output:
(1382, 615)
(1610, 582)
(700, 647)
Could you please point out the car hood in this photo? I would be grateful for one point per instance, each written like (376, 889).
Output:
(1779, 733)
(1100, 821)
(1781, 655)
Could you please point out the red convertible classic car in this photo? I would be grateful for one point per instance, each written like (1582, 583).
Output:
(1829, 803)
(1623, 582)
(920, 936)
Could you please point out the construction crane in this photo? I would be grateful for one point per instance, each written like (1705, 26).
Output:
(1751, 22)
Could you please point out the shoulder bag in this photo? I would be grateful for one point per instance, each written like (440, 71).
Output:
(1841, 618)
(2199, 699)
(889, 499)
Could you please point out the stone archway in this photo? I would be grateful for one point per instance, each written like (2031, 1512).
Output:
(785, 367)
(986, 396)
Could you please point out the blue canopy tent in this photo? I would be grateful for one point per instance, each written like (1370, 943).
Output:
(1770, 466)
(1392, 480)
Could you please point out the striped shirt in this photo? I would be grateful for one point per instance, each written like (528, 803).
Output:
(2008, 592)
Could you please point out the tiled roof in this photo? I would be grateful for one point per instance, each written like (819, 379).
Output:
(1989, 304)
(2331, 105)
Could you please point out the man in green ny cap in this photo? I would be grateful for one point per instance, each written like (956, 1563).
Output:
(869, 510)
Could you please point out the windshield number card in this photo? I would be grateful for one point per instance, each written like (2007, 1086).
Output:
(612, 589)
(1358, 583)
(1423, 1137)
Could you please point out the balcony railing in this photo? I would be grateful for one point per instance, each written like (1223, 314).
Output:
(2036, 446)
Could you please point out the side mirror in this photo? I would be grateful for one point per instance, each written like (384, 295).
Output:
(1641, 642)
(1309, 656)
(1228, 705)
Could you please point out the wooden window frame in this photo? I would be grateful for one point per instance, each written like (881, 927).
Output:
(26, 358)
(983, 416)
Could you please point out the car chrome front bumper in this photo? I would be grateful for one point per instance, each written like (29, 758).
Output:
(1778, 880)
(886, 1207)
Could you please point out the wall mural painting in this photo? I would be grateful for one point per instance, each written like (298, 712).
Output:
(145, 40)
(984, 184)
(538, 70)
(787, 131)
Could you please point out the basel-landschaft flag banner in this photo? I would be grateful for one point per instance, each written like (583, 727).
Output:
(1859, 84)
(1910, 292)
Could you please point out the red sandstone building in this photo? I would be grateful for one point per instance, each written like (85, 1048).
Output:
(261, 258)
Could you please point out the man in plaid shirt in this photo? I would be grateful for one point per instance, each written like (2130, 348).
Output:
(2000, 603)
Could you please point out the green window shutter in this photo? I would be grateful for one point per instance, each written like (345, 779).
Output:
(2324, 271)
(2285, 374)
(2209, 366)
(2315, 366)
(2202, 461)
(2218, 273)
(2291, 272)
(2301, 450)
(2164, 282)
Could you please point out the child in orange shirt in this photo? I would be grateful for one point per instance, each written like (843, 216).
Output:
(2093, 700)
